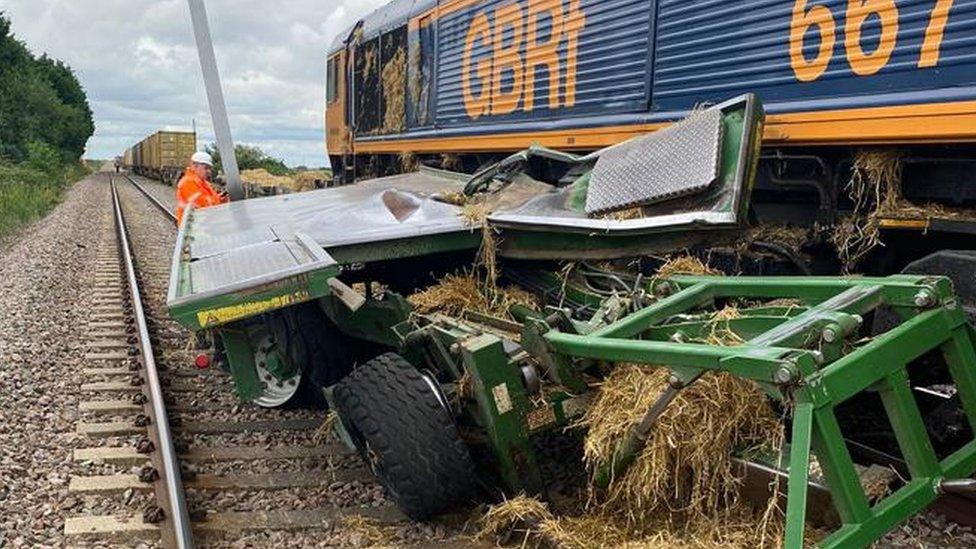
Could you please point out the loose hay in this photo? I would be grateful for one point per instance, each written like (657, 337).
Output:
(475, 213)
(488, 253)
(394, 92)
(791, 237)
(876, 481)
(192, 342)
(875, 185)
(685, 265)
(686, 464)
(367, 530)
(302, 181)
(451, 296)
(518, 513)
(624, 215)
(681, 492)
(875, 189)
(453, 196)
(451, 161)
(719, 333)
(527, 522)
(408, 162)
(468, 291)
(682, 489)
(456, 293)
(416, 72)
(266, 179)
(325, 432)
(310, 179)
(369, 59)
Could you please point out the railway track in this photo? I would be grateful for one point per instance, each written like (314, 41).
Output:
(167, 456)
(165, 211)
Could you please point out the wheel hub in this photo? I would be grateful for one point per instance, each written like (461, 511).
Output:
(278, 389)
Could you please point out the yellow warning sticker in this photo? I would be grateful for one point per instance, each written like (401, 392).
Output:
(230, 313)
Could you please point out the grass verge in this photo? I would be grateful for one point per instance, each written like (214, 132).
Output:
(27, 194)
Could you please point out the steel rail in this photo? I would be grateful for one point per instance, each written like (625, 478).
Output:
(169, 490)
(155, 201)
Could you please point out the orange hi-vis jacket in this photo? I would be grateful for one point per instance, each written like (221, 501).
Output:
(193, 190)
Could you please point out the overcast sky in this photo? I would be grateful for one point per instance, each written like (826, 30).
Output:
(138, 62)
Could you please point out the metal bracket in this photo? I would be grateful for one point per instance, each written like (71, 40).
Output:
(349, 297)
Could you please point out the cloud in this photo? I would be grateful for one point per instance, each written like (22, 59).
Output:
(138, 62)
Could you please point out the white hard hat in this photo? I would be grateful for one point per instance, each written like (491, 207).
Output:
(202, 158)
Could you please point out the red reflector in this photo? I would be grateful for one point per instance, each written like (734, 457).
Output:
(202, 361)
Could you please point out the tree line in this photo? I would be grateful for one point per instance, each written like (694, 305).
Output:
(44, 111)
(250, 157)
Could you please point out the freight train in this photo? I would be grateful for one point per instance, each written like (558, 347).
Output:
(163, 155)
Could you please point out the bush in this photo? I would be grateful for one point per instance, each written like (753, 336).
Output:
(43, 158)
(250, 157)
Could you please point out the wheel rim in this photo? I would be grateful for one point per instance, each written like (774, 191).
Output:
(274, 392)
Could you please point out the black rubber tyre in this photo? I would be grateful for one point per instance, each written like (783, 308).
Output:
(321, 351)
(409, 439)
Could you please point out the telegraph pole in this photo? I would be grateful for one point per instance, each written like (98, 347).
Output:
(215, 96)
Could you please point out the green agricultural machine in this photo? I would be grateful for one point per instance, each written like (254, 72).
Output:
(307, 293)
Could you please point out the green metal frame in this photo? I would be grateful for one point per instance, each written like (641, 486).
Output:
(240, 357)
(233, 307)
(801, 354)
(802, 361)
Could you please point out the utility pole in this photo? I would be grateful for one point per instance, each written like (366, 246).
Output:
(215, 96)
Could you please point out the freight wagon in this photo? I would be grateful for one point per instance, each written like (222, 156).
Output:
(163, 155)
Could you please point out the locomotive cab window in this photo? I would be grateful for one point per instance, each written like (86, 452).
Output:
(331, 78)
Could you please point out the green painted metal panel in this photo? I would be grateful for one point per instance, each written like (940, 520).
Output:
(799, 474)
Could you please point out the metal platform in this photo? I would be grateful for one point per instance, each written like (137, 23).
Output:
(389, 208)
(242, 258)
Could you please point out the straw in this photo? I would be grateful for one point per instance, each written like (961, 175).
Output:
(394, 92)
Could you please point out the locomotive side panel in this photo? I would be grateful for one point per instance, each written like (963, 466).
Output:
(518, 61)
(822, 57)
(498, 76)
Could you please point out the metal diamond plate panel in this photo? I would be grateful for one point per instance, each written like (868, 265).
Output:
(680, 160)
(212, 243)
(240, 265)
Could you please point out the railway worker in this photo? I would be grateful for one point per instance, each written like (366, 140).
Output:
(194, 188)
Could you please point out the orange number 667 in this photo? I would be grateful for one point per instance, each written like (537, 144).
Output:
(819, 18)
